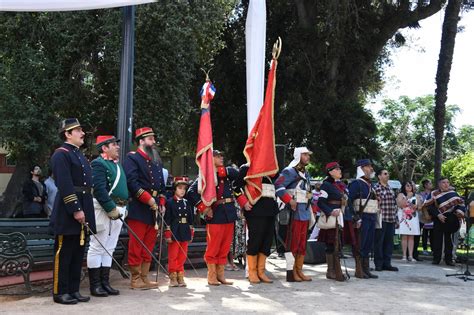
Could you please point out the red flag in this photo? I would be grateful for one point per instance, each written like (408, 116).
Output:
(204, 156)
(260, 146)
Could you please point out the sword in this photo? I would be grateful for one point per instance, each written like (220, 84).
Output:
(111, 256)
(161, 247)
(143, 245)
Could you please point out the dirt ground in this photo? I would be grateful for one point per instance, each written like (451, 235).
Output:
(416, 288)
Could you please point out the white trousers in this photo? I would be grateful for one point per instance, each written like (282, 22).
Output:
(97, 256)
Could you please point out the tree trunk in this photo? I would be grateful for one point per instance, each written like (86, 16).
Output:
(445, 60)
(12, 202)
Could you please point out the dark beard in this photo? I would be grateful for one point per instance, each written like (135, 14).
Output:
(152, 152)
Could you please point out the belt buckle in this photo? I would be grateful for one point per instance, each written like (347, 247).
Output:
(154, 193)
(184, 220)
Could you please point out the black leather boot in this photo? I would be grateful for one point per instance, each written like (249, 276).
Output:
(95, 284)
(104, 279)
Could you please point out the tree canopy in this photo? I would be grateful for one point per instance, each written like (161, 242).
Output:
(56, 65)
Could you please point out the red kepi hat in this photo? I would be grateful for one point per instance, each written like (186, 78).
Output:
(104, 140)
(332, 165)
(143, 132)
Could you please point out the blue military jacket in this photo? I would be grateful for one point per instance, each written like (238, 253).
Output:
(223, 213)
(331, 192)
(179, 219)
(359, 189)
(73, 177)
(289, 179)
(143, 175)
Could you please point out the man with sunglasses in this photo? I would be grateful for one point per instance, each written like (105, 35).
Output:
(383, 247)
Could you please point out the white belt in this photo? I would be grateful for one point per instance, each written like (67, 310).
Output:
(268, 191)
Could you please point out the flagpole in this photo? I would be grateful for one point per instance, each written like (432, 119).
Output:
(255, 37)
(124, 125)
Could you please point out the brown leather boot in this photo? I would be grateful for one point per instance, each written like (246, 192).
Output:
(173, 280)
(366, 268)
(330, 273)
(261, 260)
(181, 279)
(300, 263)
(212, 275)
(144, 276)
(296, 274)
(358, 269)
(221, 276)
(252, 264)
(136, 281)
(337, 269)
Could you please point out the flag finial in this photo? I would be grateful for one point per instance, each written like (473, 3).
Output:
(277, 48)
(207, 73)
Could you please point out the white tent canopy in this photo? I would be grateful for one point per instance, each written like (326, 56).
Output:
(65, 5)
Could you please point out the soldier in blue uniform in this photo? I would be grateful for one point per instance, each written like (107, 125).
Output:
(110, 200)
(332, 202)
(73, 207)
(294, 189)
(363, 201)
(220, 218)
(147, 189)
(179, 232)
(260, 222)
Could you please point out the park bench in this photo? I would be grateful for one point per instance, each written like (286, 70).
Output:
(31, 238)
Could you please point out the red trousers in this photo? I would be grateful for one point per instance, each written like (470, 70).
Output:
(147, 234)
(219, 238)
(177, 252)
(299, 231)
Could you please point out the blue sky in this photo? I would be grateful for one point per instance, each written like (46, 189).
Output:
(413, 68)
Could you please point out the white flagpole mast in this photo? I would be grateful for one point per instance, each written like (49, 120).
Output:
(255, 38)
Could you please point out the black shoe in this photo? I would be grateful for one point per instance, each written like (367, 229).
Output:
(80, 298)
(435, 262)
(450, 263)
(390, 268)
(64, 299)
(281, 255)
(95, 284)
(378, 268)
(104, 279)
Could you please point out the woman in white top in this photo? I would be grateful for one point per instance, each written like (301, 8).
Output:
(408, 203)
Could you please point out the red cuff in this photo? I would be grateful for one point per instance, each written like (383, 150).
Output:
(167, 234)
(192, 232)
(242, 200)
(162, 201)
(201, 207)
(145, 197)
(285, 198)
(221, 171)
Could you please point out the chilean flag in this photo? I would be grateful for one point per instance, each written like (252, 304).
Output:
(207, 181)
(260, 146)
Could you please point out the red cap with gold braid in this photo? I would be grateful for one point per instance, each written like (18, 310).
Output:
(143, 132)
